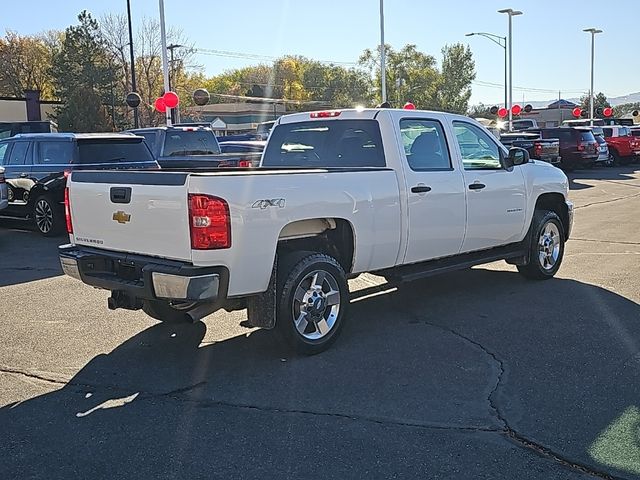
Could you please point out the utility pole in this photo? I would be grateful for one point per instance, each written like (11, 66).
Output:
(175, 117)
(383, 54)
(136, 122)
(165, 61)
(593, 32)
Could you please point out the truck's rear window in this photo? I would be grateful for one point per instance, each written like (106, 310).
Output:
(330, 143)
(179, 143)
(113, 151)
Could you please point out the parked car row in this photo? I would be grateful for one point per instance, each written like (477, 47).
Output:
(579, 147)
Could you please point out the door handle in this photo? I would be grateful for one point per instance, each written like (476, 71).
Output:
(420, 189)
(477, 186)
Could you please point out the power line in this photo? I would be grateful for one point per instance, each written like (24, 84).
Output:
(254, 56)
(482, 83)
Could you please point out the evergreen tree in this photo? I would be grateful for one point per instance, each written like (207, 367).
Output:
(82, 77)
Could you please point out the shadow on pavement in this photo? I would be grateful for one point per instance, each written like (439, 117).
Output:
(25, 255)
(618, 174)
(405, 391)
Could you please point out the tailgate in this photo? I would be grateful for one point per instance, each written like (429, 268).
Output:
(549, 148)
(135, 212)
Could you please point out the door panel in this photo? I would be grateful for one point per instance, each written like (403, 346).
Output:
(436, 197)
(496, 197)
(17, 164)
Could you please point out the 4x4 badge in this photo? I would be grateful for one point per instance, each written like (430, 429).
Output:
(121, 217)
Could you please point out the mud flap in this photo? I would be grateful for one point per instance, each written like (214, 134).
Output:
(261, 309)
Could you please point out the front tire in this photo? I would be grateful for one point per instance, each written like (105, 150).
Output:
(546, 248)
(313, 297)
(48, 217)
(166, 312)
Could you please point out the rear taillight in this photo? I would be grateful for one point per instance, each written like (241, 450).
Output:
(538, 148)
(67, 210)
(209, 222)
(245, 164)
(580, 146)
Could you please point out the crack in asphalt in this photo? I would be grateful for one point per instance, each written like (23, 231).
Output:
(509, 431)
(506, 430)
(34, 376)
(612, 242)
(607, 201)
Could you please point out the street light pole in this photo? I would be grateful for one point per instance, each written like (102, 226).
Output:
(383, 67)
(512, 13)
(136, 122)
(498, 40)
(165, 61)
(593, 32)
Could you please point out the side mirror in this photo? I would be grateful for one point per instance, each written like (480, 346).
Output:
(517, 156)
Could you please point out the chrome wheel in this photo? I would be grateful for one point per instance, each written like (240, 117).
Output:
(549, 246)
(43, 215)
(316, 305)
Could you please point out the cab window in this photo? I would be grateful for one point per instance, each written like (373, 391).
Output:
(478, 151)
(425, 145)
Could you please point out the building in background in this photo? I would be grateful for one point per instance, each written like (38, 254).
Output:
(234, 118)
(553, 115)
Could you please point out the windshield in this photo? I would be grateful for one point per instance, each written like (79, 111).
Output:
(190, 142)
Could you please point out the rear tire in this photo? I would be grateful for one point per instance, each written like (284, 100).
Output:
(546, 248)
(313, 297)
(48, 218)
(165, 312)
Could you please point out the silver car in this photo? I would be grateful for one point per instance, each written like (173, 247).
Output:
(4, 191)
(603, 151)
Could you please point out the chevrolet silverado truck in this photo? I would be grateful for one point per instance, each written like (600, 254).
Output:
(403, 194)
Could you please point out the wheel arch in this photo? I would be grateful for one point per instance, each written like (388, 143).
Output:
(555, 202)
(332, 236)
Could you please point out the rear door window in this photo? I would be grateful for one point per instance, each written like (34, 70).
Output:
(424, 144)
(179, 143)
(113, 151)
(608, 132)
(325, 144)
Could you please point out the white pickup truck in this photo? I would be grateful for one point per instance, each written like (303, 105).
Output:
(400, 193)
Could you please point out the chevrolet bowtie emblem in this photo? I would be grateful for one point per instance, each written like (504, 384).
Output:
(121, 217)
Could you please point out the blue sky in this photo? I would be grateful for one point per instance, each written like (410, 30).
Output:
(550, 50)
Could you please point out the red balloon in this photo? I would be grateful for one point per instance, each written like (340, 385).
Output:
(516, 109)
(409, 106)
(160, 105)
(503, 112)
(171, 99)
(576, 112)
(608, 111)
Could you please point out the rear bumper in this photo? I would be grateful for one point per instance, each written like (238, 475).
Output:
(144, 278)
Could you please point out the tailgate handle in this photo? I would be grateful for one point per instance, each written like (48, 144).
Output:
(120, 194)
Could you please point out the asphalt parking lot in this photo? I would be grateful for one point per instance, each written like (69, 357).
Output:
(477, 374)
